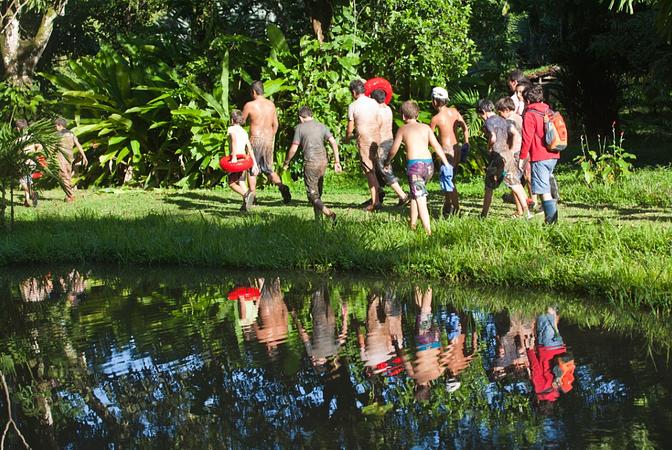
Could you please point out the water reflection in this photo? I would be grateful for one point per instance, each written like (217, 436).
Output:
(268, 361)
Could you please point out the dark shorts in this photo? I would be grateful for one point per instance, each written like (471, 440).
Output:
(235, 177)
(419, 173)
(313, 178)
(263, 153)
(385, 174)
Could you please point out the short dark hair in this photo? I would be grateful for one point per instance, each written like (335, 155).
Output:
(410, 109)
(61, 122)
(357, 86)
(379, 95)
(518, 76)
(237, 117)
(258, 87)
(305, 112)
(484, 105)
(524, 84)
(21, 124)
(534, 94)
(505, 104)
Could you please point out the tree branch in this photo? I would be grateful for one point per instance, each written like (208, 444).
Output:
(10, 419)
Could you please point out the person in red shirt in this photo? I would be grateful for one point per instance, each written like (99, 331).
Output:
(542, 161)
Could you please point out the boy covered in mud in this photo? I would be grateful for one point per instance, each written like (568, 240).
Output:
(239, 145)
(417, 137)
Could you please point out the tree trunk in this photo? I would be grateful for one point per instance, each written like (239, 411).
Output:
(321, 13)
(21, 55)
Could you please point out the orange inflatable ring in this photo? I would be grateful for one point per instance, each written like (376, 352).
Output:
(379, 83)
(244, 162)
(245, 293)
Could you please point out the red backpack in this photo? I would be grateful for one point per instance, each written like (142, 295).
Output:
(555, 130)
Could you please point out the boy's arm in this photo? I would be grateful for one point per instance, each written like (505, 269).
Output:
(351, 124)
(290, 155)
(528, 136)
(398, 139)
(246, 112)
(337, 158)
(463, 125)
(275, 125)
(81, 151)
(437, 147)
(515, 138)
(250, 151)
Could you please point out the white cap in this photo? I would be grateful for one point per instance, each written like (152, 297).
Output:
(452, 385)
(439, 93)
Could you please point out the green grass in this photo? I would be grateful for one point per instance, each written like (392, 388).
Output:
(615, 251)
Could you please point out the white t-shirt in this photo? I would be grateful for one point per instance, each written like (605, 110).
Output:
(241, 139)
(520, 105)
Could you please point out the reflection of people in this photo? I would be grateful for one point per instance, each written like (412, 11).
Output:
(324, 342)
(460, 352)
(310, 135)
(263, 126)
(429, 363)
(383, 334)
(248, 311)
(272, 328)
(36, 289)
(74, 285)
(551, 365)
(363, 117)
(511, 357)
(66, 157)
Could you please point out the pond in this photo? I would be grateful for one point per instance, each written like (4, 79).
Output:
(163, 358)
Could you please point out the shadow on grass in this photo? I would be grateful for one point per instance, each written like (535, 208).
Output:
(626, 213)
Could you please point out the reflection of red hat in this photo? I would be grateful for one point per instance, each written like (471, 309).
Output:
(379, 83)
(245, 293)
(390, 368)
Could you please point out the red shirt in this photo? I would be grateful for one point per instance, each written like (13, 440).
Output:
(542, 373)
(533, 134)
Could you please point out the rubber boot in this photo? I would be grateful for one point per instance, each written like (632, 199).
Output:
(550, 211)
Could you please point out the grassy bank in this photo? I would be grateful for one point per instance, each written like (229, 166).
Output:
(618, 251)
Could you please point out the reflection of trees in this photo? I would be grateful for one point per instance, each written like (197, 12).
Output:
(142, 363)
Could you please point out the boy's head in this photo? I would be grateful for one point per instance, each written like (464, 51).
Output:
(439, 97)
(379, 96)
(305, 113)
(21, 124)
(257, 88)
(357, 88)
(237, 117)
(535, 94)
(515, 77)
(505, 107)
(61, 123)
(410, 110)
(484, 108)
(521, 88)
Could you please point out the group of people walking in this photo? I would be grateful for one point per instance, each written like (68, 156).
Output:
(513, 126)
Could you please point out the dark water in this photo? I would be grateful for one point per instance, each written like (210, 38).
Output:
(104, 358)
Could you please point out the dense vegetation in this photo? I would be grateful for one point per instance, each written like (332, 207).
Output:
(150, 84)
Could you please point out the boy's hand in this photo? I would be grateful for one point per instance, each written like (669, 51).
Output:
(255, 170)
(234, 158)
(285, 166)
(337, 167)
(521, 165)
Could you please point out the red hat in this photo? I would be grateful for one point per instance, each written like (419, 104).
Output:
(379, 83)
(244, 293)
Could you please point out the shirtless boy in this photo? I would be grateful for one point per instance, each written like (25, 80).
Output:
(239, 144)
(503, 166)
(310, 135)
(447, 120)
(363, 117)
(417, 137)
(66, 157)
(384, 173)
(263, 127)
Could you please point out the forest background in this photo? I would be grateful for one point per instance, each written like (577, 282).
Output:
(148, 85)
